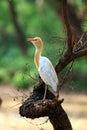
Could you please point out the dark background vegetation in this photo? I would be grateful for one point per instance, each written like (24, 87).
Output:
(20, 19)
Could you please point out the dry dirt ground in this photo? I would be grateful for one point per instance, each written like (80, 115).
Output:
(74, 104)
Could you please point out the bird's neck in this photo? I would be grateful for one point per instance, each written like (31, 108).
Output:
(37, 56)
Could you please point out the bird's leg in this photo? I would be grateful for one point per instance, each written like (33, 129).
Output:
(45, 92)
(57, 94)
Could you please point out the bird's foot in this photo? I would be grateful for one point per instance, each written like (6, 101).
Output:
(44, 97)
(41, 100)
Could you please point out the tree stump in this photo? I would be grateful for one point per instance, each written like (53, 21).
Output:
(35, 107)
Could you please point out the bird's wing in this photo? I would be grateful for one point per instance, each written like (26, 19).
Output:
(47, 73)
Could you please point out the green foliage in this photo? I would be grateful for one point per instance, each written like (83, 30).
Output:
(35, 20)
(81, 65)
(17, 69)
(21, 80)
(4, 76)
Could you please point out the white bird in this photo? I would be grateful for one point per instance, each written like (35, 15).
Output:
(44, 66)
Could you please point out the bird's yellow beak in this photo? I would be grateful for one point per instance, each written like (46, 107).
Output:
(30, 39)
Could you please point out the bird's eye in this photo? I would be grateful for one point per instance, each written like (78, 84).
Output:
(35, 39)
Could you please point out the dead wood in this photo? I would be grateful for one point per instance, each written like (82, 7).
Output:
(35, 107)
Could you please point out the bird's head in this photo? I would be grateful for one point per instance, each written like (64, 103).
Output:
(37, 42)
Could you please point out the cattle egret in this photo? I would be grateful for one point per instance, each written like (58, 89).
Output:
(44, 66)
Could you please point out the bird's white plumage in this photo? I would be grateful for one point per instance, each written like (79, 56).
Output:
(44, 65)
(47, 73)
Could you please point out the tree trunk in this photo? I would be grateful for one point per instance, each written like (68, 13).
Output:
(19, 33)
(35, 107)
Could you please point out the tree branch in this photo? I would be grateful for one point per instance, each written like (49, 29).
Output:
(66, 59)
(67, 25)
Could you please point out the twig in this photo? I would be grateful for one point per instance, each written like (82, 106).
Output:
(81, 43)
(40, 123)
(65, 76)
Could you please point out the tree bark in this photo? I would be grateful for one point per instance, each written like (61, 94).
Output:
(35, 107)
